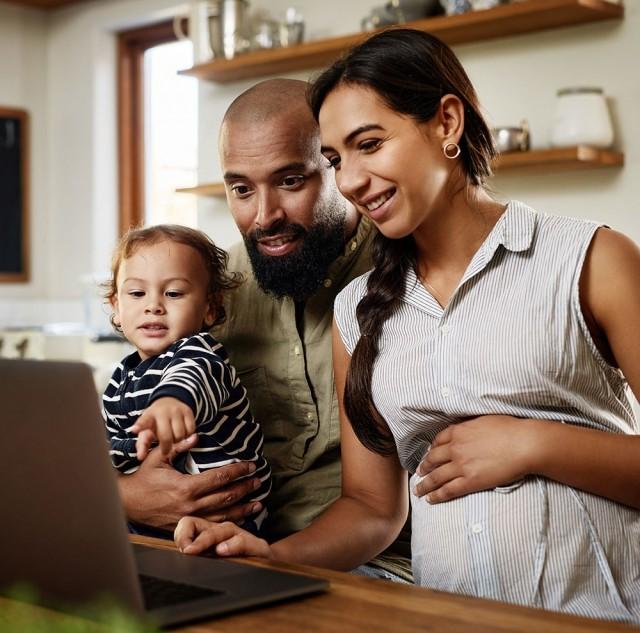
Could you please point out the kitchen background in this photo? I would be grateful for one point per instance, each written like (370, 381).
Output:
(61, 66)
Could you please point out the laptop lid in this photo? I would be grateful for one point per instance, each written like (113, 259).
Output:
(64, 529)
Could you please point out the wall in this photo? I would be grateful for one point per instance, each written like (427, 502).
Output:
(516, 78)
(23, 78)
(61, 67)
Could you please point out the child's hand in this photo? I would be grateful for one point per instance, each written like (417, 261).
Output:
(168, 420)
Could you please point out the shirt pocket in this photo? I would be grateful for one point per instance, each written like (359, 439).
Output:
(280, 443)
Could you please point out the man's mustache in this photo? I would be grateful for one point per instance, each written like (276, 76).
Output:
(293, 230)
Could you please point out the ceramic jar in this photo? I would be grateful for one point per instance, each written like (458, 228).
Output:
(581, 118)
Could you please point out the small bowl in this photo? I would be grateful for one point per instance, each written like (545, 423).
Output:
(511, 139)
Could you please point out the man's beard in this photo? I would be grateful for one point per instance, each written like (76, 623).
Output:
(300, 273)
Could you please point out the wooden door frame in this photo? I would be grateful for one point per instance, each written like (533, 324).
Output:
(132, 45)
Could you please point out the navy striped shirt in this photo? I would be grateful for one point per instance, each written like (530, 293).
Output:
(196, 371)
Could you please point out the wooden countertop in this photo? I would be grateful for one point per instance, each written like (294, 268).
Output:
(354, 603)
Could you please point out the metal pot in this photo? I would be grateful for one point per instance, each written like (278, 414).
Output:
(512, 139)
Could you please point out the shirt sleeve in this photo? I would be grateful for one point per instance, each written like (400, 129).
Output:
(197, 376)
(344, 311)
(122, 446)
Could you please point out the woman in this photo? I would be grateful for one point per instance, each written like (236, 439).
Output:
(497, 339)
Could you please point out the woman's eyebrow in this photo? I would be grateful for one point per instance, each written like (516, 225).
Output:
(367, 127)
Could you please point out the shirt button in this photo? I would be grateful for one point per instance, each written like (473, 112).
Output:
(445, 329)
(445, 392)
(327, 283)
(354, 245)
(296, 350)
(476, 528)
(309, 416)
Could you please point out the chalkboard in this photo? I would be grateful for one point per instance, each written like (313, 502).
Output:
(14, 179)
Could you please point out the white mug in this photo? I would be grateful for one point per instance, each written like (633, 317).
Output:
(198, 20)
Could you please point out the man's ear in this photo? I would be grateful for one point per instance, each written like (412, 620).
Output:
(450, 117)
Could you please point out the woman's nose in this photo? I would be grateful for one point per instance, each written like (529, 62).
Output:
(351, 179)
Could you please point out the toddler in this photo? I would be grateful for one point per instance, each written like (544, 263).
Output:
(166, 292)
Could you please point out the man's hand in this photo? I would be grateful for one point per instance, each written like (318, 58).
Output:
(478, 454)
(194, 535)
(159, 496)
(166, 419)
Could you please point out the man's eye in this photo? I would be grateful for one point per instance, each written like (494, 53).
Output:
(174, 294)
(240, 190)
(292, 181)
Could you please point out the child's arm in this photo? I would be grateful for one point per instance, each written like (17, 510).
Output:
(193, 388)
(168, 420)
(122, 448)
(197, 377)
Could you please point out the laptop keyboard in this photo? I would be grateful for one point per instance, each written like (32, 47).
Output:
(158, 592)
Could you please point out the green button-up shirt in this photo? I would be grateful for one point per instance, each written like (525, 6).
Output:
(286, 366)
(288, 373)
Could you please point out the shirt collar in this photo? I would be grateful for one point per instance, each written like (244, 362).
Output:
(514, 231)
(515, 228)
(354, 245)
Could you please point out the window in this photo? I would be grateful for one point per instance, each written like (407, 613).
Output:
(171, 135)
(157, 127)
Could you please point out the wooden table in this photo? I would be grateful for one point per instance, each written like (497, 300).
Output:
(354, 603)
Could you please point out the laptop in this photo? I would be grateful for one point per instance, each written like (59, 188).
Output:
(63, 527)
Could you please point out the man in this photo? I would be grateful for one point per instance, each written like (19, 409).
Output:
(302, 244)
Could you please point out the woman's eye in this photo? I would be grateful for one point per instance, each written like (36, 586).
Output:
(334, 161)
(370, 145)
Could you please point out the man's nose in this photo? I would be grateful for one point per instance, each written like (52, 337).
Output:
(270, 209)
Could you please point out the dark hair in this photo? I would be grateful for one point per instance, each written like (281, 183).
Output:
(215, 260)
(410, 71)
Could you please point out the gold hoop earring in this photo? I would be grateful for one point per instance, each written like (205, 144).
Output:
(451, 150)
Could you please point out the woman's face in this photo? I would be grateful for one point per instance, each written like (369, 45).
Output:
(388, 165)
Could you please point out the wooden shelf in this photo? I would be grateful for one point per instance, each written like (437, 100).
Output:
(562, 158)
(474, 26)
(215, 189)
(565, 158)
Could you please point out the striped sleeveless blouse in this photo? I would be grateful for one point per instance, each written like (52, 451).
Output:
(512, 341)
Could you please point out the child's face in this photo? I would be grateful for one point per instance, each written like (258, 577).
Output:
(162, 296)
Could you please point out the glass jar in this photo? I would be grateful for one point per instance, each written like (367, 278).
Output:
(581, 118)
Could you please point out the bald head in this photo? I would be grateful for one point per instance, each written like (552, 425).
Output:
(269, 99)
(274, 112)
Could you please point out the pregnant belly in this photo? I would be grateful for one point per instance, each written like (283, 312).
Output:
(538, 543)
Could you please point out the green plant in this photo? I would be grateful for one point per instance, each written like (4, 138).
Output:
(20, 613)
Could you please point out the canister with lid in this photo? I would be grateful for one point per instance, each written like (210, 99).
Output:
(581, 118)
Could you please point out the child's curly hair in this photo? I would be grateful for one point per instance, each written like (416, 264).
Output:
(215, 260)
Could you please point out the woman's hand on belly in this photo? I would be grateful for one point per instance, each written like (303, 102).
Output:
(478, 454)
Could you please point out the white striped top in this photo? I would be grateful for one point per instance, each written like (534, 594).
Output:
(512, 341)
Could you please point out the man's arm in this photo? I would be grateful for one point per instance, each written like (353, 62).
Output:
(364, 521)
(159, 496)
